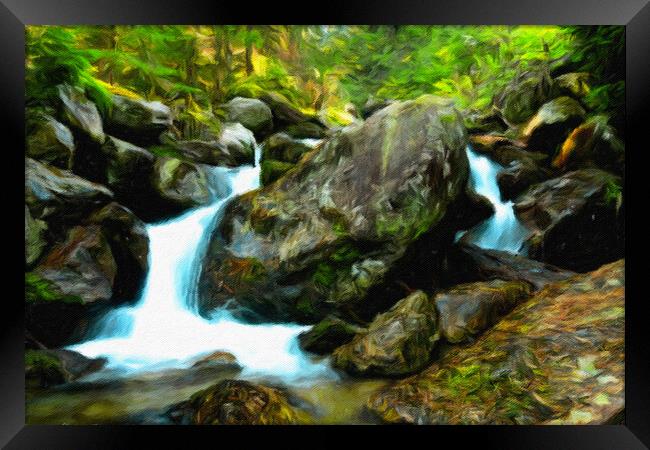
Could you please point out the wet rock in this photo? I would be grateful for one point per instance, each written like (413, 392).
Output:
(524, 95)
(485, 122)
(551, 125)
(127, 170)
(282, 147)
(320, 237)
(558, 358)
(50, 142)
(46, 368)
(519, 175)
(236, 402)
(137, 120)
(219, 360)
(129, 242)
(80, 113)
(468, 309)
(575, 220)
(272, 170)
(398, 342)
(505, 151)
(471, 263)
(54, 194)
(234, 146)
(306, 130)
(251, 113)
(328, 334)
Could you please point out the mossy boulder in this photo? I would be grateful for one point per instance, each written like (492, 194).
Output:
(272, 170)
(237, 402)
(137, 120)
(556, 359)
(252, 113)
(397, 343)
(306, 130)
(233, 146)
(178, 185)
(282, 147)
(290, 119)
(330, 229)
(47, 368)
(573, 84)
(50, 142)
(521, 99)
(551, 125)
(468, 309)
(576, 220)
(328, 334)
(35, 238)
(218, 360)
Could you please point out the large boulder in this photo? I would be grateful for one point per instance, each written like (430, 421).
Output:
(398, 342)
(468, 309)
(519, 101)
(80, 113)
(59, 195)
(237, 402)
(282, 147)
(576, 220)
(178, 185)
(136, 120)
(328, 334)
(559, 358)
(50, 142)
(319, 238)
(519, 175)
(293, 121)
(551, 125)
(251, 113)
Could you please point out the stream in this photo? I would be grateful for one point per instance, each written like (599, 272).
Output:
(152, 345)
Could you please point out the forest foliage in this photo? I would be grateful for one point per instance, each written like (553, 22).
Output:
(333, 70)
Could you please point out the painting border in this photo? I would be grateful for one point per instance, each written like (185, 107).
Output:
(15, 14)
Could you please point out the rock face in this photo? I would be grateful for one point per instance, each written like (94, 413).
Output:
(51, 142)
(35, 239)
(398, 342)
(251, 113)
(576, 220)
(80, 113)
(552, 123)
(51, 193)
(318, 239)
(523, 96)
(482, 264)
(138, 121)
(45, 368)
(558, 358)
(519, 175)
(468, 309)
(328, 334)
(127, 169)
(236, 402)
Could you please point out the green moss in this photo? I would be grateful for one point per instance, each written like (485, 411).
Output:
(345, 253)
(272, 169)
(40, 290)
(166, 151)
(325, 275)
(613, 194)
(43, 369)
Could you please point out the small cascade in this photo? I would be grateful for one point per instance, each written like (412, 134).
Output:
(163, 330)
(502, 230)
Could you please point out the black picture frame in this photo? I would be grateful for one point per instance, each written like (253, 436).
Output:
(15, 14)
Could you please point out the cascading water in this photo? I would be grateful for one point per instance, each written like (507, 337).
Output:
(502, 230)
(162, 330)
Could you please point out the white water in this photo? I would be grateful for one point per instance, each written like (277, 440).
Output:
(162, 330)
(502, 230)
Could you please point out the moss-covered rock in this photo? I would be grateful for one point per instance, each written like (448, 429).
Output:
(330, 229)
(551, 125)
(80, 113)
(35, 238)
(137, 120)
(328, 334)
(179, 185)
(519, 101)
(398, 342)
(46, 368)
(558, 358)
(272, 170)
(468, 309)
(576, 220)
(574, 84)
(237, 402)
(233, 146)
(282, 147)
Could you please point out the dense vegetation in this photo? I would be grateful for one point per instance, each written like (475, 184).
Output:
(329, 69)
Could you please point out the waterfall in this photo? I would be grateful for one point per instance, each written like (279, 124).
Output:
(502, 230)
(163, 330)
